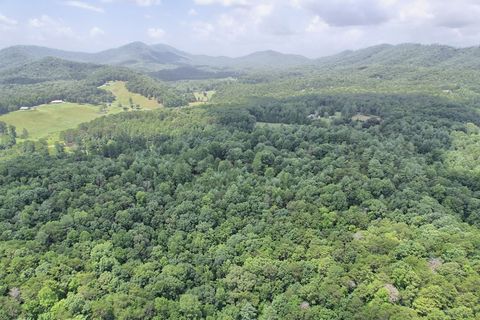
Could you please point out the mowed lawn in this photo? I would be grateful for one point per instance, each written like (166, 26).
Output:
(47, 120)
(123, 96)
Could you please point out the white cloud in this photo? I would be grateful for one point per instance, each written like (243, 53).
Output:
(236, 27)
(231, 26)
(259, 12)
(227, 22)
(225, 3)
(83, 5)
(202, 29)
(142, 3)
(96, 32)
(48, 26)
(7, 23)
(241, 25)
(346, 13)
(147, 3)
(156, 33)
(241, 19)
(462, 14)
(349, 12)
(316, 25)
(41, 22)
(320, 27)
(417, 10)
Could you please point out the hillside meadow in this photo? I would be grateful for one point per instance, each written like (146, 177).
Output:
(125, 97)
(46, 121)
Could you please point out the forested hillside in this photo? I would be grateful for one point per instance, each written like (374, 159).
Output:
(347, 206)
(403, 69)
(152, 58)
(240, 160)
(35, 77)
(408, 54)
(48, 79)
(47, 69)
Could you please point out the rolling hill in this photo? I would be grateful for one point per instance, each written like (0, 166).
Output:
(18, 55)
(269, 59)
(40, 81)
(145, 57)
(408, 54)
(47, 69)
(401, 68)
(131, 54)
(158, 57)
(31, 64)
(140, 56)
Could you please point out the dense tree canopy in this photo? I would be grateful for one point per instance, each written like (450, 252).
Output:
(272, 209)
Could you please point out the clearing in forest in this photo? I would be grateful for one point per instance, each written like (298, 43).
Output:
(48, 120)
(202, 97)
(126, 98)
(364, 117)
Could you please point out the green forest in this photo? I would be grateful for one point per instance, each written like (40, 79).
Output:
(268, 186)
(316, 206)
(49, 79)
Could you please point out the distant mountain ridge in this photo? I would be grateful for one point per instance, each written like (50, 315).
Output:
(47, 69)
(145, 57)
(152, 58)
(18, 55)
(408, 54)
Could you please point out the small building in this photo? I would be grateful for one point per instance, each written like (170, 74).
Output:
(56, 101)
(24, 108)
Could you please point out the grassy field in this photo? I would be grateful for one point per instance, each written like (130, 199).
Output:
(201, 98)
(47, 121)
(123, 96)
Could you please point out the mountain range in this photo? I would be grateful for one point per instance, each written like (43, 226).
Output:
(408, 54)
(145, 57)
(168, 63)
(160, 56)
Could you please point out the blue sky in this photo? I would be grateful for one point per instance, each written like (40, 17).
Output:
(236, 27)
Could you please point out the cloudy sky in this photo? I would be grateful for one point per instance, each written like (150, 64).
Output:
(236, 27)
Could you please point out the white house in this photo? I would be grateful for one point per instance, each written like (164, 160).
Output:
(24, 108)
(56, 101)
